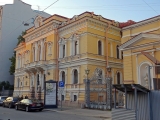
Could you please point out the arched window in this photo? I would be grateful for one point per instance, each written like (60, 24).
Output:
(118, 78)
(99, 48)
(117, 52)
(76, 45)
(63, 51)
(63, 76)
(38, 82)
(39, 53)
(75, 97)
(75, 77)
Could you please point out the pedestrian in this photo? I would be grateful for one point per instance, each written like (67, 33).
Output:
(22, 97)
(26, 97)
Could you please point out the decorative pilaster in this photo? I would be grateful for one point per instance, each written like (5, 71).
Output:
(36, 49)
(42, 46)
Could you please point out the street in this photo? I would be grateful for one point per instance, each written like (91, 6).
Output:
(12, 114)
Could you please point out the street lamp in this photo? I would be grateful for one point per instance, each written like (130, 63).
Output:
(108, 68)
(87, 72)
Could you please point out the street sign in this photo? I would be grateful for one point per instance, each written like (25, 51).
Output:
(61, 84)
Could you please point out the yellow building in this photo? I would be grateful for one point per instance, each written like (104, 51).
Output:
(140, 46)
(60, 48)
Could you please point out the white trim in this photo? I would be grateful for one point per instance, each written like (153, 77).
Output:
(139, 72)
(72, 74)
(138, 38)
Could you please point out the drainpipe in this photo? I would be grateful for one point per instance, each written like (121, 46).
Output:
(107, 47)
(57, 47)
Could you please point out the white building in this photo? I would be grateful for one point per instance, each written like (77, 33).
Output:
(12, 19)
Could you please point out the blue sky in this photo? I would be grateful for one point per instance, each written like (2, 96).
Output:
(118, 10)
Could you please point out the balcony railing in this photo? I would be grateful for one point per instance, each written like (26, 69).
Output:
(89, 55)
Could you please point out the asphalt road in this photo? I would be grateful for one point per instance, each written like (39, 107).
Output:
(12, 114)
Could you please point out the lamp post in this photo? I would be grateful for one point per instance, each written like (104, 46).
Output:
(108, 70)
(87, 72)
(109, 89)
(87, 89)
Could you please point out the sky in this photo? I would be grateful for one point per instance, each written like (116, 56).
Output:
(118, 10)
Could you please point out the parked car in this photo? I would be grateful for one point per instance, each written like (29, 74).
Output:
(10, 102)
(2, 98)
(29, 105)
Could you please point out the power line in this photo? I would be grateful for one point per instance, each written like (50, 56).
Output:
(30, 18)
(151, 7)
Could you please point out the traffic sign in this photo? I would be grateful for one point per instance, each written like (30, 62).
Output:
(61, 84)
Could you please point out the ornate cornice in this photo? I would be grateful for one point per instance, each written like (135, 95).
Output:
(138, 37)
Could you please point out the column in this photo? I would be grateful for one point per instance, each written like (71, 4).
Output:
(87, 93)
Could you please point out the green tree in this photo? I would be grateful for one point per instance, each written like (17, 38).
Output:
(13, 58)
(20, 37)
(6, 85)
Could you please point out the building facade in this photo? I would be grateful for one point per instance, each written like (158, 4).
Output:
(12, 18)
(61, 49)
(140, 46)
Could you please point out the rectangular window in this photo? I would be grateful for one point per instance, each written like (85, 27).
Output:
(75, 97)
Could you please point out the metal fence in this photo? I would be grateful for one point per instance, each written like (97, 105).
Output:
(155, 106)
(142, 105)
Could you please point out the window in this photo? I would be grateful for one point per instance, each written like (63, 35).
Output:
(118, 78)
(63, 77)
(99, 48)
(75, 77)
(63, 51)
(117, 52)
(75, 97)
(76, 45)
(122, 54)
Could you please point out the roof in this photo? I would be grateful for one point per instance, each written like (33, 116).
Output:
(130, 87)
(149, 20)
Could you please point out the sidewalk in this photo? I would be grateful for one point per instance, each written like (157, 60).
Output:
(105, 115)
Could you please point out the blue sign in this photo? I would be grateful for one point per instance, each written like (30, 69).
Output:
(61, 84)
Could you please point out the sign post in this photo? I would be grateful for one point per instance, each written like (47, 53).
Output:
(61, 88)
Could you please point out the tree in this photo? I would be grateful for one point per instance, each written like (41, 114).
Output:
(6, 85)
(13, 58)
(20, 37)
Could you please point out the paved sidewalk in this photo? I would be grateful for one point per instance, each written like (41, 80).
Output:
(105, 115)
